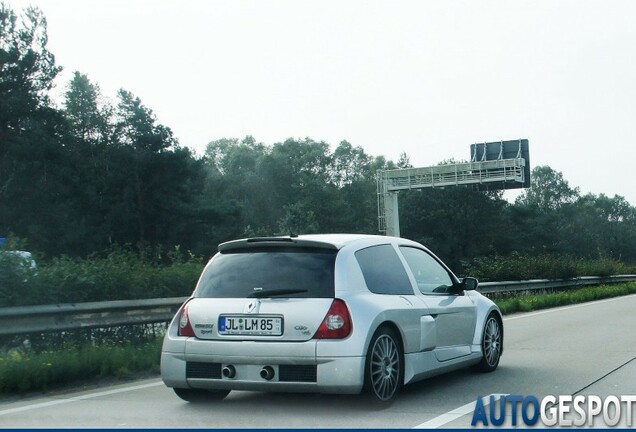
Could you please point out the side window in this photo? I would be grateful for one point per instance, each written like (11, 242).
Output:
(431, 277)
(383, 271)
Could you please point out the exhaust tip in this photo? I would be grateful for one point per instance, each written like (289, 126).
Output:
(229, 371)
(267, 373)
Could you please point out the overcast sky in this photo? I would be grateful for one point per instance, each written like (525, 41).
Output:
(425, 77)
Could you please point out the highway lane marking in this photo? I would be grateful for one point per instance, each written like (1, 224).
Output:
(457, 413)
(579, 305)
(78, 398)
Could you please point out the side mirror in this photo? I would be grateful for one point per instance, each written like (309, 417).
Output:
(469, 284)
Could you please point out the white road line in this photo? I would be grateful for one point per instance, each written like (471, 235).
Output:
(456, 413)
(578, 305)
(78, 398)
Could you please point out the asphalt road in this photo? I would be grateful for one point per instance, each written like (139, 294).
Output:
(582, 349)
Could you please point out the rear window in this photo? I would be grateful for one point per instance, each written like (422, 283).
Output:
(241, 274)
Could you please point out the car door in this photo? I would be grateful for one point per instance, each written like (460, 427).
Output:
(453, 313)
(385, 275)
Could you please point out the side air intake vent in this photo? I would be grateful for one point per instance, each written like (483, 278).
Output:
(297, 373)
(203, 370)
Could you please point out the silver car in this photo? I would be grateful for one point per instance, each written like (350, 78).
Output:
(332, 313)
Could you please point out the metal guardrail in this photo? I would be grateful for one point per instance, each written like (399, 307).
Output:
(50, 318)
(547, 284)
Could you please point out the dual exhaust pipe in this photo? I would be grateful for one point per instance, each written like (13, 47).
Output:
(267, 373)
(229, 371)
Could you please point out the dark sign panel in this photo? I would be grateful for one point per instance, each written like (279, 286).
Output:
(499, 150)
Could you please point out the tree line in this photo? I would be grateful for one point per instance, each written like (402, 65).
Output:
(79, 178)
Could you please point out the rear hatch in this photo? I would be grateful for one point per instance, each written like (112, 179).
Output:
(268, 290)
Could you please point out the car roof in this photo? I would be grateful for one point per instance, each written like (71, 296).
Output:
(325, 241)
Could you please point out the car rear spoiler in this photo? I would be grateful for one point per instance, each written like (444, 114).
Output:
(285, 242)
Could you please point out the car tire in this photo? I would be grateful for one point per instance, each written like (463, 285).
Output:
(199, 395)
(491, 344)
(384, 368)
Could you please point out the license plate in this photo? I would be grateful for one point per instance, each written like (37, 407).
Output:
(250, 325)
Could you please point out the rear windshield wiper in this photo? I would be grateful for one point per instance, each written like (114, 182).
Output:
(275, 292)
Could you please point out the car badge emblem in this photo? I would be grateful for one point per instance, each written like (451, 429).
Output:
(252, 306)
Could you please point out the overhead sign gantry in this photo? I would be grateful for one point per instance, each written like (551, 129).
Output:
(493, 166)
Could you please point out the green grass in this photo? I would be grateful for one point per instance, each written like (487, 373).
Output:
(24, 372)
(527, 302)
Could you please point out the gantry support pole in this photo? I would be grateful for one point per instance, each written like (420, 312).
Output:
(392, 214)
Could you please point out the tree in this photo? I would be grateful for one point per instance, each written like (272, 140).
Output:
(233, 188)
(298, 219)
(457, 223)
(34, 176)
(293, 186)
(27, 68)
(548, 190)
(89, 117)
(404, 161)
(542, 213)
(600, 227)
(233, 158)
(156, 179)
(350, 164)
(354, 175)
(137, 126)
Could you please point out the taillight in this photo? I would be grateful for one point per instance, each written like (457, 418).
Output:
(337, 322)
(185, 328)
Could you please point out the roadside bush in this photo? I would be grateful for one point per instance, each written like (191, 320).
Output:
(120, 275)
(523, 267)
(16, 277)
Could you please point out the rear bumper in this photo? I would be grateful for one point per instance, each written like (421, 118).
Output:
(331, 374)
